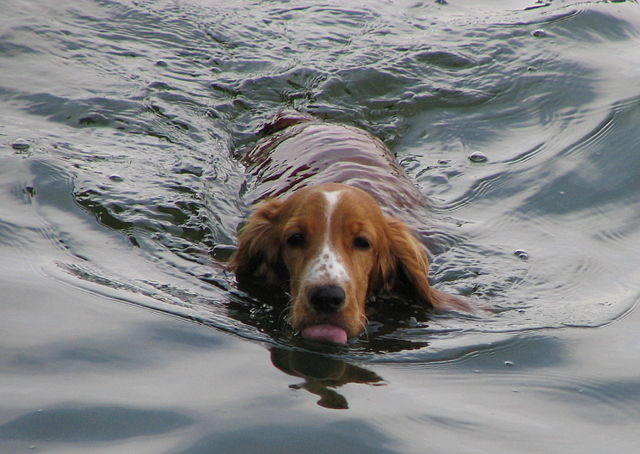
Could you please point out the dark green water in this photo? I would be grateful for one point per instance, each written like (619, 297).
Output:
(121, 128)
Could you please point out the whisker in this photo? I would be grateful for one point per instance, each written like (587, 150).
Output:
(364, 323)
(283, 318)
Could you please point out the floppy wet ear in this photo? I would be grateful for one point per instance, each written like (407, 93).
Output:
(258, 253)
(407, 260)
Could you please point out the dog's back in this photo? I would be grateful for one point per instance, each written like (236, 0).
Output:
(302, 151)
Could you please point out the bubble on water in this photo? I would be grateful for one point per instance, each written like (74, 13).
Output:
(477, 156)
(509, 364)
(117, 178)
(540, 33)
(521, 254)
(20, 144)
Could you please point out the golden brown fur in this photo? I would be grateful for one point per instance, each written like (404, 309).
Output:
(379, 254)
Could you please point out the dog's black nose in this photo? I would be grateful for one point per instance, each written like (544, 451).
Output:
(327, 299)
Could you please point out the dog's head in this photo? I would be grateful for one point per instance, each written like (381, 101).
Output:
(332, 248)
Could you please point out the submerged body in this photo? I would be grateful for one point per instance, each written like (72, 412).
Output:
(302, 151)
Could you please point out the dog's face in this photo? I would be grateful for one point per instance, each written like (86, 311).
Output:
(331, 247)
(331, 241)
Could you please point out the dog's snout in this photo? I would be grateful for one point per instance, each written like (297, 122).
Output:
(327, 299)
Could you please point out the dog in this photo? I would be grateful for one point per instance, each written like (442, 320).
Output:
(328, 227)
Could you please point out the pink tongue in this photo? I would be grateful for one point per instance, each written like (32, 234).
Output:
(328, 333)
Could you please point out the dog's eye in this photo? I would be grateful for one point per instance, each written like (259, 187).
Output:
(361, 242)
(296, 240)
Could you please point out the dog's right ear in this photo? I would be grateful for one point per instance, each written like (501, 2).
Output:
(258, 255)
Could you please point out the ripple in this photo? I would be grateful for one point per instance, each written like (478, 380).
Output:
(153, 102)
(590, 25)
(480, 189)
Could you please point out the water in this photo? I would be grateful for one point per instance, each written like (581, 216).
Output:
(122, 127)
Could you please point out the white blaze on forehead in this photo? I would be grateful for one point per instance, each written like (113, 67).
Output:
(332, 198)
(328, 266)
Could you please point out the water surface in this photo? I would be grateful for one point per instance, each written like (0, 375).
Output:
(122, 128)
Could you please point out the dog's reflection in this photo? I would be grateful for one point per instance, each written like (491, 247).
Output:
(322, 374)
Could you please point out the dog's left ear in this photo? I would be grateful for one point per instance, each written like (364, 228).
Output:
(258, 256)
(406, 260)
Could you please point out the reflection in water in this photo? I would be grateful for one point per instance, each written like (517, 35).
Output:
(322, 374)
